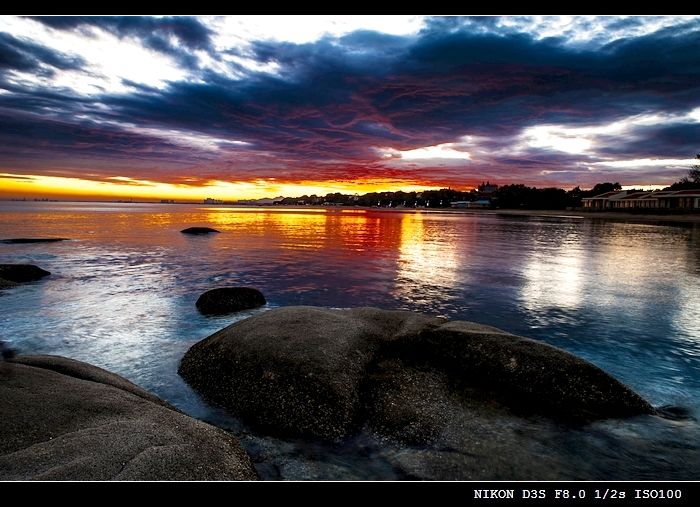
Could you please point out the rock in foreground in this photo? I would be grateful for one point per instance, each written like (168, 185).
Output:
(229, 299)
(321, 372)
(198, 230)
(21, 273)
(67, 420)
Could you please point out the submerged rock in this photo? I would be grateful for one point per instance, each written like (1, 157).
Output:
(67, 420)
(229, 299)
(323, 373)
(20, 273)
(675, 413)
(31, 240)
(6, 284)
(198, 230)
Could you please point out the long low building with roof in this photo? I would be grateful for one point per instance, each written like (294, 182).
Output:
(639, 199)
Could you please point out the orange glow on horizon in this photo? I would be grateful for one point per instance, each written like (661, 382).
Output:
(37, 186)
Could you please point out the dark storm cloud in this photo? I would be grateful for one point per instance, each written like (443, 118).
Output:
(333, 100)
(675, 140)
(33, 141)
(330, 100)
(22, 55)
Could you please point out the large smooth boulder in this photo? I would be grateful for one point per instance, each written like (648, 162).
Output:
(229, 299)
(68, 420)
(526, 375)
(295, 370)
(13, 241)
(198, 230)
(322, 372)
(20, 273)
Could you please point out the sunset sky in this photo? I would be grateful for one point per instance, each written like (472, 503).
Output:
(261, 106)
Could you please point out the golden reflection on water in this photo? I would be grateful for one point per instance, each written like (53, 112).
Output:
(424, 252)
(344, 231)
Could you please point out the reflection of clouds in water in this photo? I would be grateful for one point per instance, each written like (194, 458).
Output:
(552, 280)
(693, 261)
(686, 318)
(552, 267)
(429, 261)
(122, 291)
(117, 306)
(633, 268)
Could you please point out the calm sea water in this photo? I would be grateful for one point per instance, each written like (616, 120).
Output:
(625, 296)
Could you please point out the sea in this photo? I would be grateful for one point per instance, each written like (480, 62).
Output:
(622, 294)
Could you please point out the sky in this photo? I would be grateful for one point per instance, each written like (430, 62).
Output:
(235, 107)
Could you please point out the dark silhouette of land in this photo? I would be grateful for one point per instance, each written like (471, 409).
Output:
(511, 196)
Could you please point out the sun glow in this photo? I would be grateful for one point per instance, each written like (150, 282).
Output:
(120, 187)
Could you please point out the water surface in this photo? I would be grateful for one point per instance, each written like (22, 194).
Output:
(623, 295)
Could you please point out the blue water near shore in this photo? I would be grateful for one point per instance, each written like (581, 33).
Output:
(623, 295)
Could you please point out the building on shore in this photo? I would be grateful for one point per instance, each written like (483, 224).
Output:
(481, 203)
(639, 199)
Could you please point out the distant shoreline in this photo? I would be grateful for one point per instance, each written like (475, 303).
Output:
(579, 214)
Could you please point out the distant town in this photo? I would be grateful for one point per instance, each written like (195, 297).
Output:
(682, 196)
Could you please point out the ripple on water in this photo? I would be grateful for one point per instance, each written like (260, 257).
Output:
(122, 291)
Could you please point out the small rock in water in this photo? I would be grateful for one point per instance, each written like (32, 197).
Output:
(31, 240)
(21, 273)
(198, 230)
(674, 413)
(229, 299)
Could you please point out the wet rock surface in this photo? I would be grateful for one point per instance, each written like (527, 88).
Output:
(67, 420)
(322, 373)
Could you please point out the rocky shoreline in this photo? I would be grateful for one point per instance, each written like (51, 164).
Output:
(450, 399)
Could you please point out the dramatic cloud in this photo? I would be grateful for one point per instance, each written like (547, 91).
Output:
(26, 56)
(167, 35)
(394, 102)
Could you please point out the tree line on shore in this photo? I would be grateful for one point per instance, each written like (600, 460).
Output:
(514, 196)
(505, 196)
